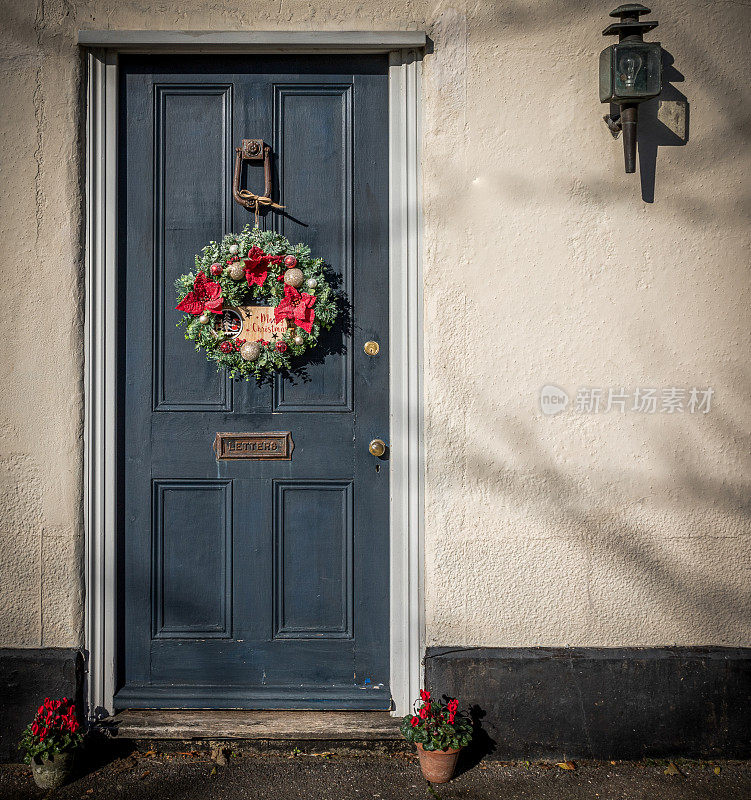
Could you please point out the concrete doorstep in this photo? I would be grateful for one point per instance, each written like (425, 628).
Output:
(289, 727)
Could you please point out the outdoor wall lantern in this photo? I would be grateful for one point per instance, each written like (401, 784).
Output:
(630, 73)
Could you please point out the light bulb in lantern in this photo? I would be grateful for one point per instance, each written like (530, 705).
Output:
(629, 66)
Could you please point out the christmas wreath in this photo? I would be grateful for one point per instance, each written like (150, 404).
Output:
(255, 302)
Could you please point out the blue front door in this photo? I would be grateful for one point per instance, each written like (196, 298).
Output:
(252, 583)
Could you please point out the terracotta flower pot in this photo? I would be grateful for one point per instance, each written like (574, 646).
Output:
(52, 773)
(438, 765)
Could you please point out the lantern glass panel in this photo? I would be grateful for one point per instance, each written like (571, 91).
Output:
(637, 70)
(606, 74)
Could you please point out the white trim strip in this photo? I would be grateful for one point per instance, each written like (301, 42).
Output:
(405, 277)
(257, 41)
(100, 363)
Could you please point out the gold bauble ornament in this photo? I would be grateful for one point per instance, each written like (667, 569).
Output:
(250, 351)
(294, 277)
(204, 318)
(237, 270)
(299, 340)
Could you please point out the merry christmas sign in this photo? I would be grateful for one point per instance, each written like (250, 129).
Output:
(252, 323)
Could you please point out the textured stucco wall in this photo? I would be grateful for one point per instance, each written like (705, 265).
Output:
(542, 264)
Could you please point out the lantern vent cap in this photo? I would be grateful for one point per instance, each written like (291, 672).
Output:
(630, 9)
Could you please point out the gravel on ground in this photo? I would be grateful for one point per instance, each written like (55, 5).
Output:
(224, 775)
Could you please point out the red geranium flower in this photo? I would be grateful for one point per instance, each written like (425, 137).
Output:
(415, 721)
(256, 265)
(425, 712)
(298, 307)
(206, 296)
(424, 695)
(452, 705)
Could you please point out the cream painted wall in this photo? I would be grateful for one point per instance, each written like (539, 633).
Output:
(542, 264)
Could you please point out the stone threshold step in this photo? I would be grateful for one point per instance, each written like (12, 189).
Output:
(259, 725)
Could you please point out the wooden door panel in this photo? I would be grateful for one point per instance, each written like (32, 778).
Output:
(313, 135)
(313, 538)
(192, 597)
(193, 125)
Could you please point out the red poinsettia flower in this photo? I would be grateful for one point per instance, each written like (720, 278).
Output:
(298, 307)
(206, 296)
(257, 265)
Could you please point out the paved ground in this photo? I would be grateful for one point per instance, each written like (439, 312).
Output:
(194, 776)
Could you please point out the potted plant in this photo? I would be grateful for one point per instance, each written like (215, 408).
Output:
(440, 732)
(50, 741)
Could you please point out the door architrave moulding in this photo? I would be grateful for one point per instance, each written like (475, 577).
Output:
(404, 49)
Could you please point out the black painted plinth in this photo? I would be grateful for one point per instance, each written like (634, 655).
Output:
(601, 702)
(27, 676)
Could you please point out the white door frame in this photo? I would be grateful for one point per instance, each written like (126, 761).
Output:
(405, 271)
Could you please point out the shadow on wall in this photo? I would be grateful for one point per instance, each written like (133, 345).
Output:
(482, 745)
(658, 531)
(663, 122)
(616, 537)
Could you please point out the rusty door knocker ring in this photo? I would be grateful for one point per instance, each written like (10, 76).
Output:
(253, 150)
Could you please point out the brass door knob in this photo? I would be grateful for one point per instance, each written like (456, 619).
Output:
(377, 447)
